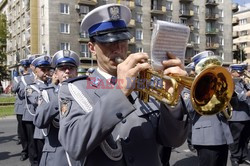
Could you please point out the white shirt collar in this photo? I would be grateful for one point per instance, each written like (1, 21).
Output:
(104, 74)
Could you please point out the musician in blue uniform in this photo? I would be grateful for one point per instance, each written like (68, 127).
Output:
(102, 120)
(33, 98)
(19, 105)
(65, 63)
(240, 122)
(210, 134)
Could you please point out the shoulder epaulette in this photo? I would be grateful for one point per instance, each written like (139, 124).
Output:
(46, 88)
(70, 80)
(26, 74)
(33, 83)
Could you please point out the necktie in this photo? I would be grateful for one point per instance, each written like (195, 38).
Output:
(113, 80)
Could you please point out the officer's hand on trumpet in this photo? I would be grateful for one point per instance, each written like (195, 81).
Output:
(129, 69)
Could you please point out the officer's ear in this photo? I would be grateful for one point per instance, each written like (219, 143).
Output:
(91, 46)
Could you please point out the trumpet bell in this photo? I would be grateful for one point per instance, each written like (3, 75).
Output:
(212, 90)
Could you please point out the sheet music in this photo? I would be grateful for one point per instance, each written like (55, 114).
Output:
(168, 37)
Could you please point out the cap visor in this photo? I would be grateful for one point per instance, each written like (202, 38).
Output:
(45, 66)
(66, 64)
(113, 37)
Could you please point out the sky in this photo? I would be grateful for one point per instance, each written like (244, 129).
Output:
(243, 2)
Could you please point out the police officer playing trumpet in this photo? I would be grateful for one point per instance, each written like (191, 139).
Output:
(102, 120)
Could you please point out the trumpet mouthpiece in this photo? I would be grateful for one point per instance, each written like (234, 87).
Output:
(118, 60)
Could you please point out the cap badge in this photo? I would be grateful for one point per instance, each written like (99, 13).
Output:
(46, 58)
(114, 12)
(66, 53)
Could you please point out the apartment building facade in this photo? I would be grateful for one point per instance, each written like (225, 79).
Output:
(43, 26)
(241, 33)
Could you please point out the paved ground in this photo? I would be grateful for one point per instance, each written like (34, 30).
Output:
(10, 152)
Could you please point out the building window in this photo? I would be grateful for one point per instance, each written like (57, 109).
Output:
(42, 10)
(23, 3)
(43, 48)
(23, 37)
(43, 29)
(196, 39)
(138, 3)
(84, 35)
(139, 34)
(139, 49)
(139, 17)
(222, 55)
(243, 45)
(84, 9)
(84, 51)
(243, 21)
(196, 24)
(18, 24)
(169, 5)
(221, 41)
(243, 33)
(64, 8)
(221, 13)
(196, 9)
(183, 21)
(65, 28)
(65, 46)
(169, 19)
(221, 27)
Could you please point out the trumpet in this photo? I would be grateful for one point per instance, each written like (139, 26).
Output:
(211, 90)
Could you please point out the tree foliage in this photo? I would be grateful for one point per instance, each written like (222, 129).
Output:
(3, 38)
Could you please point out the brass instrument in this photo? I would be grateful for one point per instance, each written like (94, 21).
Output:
(211, 89)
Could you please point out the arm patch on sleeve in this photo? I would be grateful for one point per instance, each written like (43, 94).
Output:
(65, 106)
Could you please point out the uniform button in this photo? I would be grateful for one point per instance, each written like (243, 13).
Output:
(123, 120)
(131, 159)
(127, 140)
(119, 115)
(56, 108)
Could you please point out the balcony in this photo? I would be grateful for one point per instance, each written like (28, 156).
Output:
(129, 4)
(85, 55)
(235, 47)
(235, 34)
(211, 3)
(212, 16)
(235, 7)
(186, 1)
(160, 10)
(87, 2)
(212, 46)
(191, 27)
(132, 41)
(190, 44)
(186, 13)
(81, 16)
(131, 23)
(212, 31)
(84, 38)
(235, 21)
